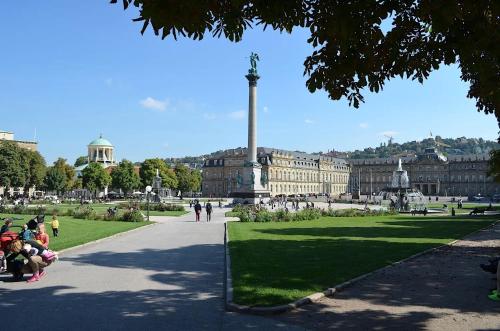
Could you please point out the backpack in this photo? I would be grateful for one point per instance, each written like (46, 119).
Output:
(6, 238)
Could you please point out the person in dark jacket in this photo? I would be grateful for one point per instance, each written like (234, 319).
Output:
(197, 210)
(208, 208)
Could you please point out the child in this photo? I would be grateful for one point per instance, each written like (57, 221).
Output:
(6, 226)
(55, 226)
(26, 234)
(46, 254)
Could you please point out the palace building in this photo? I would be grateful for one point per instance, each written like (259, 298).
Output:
(430, 172)
(286, 172)
(9, 136)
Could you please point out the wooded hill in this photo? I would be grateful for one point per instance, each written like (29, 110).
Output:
(448, 146)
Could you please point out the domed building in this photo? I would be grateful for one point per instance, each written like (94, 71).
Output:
(101, 151)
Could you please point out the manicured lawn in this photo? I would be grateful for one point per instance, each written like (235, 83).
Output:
(73, 232)
(276, 263)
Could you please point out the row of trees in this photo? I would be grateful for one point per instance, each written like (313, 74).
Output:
(125, 177)
(20, 167)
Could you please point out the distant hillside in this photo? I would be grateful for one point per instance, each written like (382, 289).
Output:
(448, 146)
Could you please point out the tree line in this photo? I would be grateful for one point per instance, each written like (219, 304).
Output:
(20, 167)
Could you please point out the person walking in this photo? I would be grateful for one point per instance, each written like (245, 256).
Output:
(55, 226)
(197, 210)
(208, 208)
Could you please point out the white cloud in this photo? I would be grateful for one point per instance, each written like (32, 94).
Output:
(237, 115)
(265, 109)
(308, 121)
(389, 133)
(151, 103)
(363, 125)
(209, 116)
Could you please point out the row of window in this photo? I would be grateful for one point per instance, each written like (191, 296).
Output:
(442, 178)
(307, 176)
(299, 189)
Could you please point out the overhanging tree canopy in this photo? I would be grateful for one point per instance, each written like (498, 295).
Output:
(351, 50)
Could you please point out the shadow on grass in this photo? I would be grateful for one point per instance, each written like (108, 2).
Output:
(387, 228)
(270, 272)
(278, 269)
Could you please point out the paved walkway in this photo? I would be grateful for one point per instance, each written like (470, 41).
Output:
(168, 276)
(443, 290)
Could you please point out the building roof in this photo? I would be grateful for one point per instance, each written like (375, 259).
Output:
(298, 156)
(83, 166)
(100, 142)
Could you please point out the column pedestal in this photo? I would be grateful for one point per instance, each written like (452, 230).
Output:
(251, 190)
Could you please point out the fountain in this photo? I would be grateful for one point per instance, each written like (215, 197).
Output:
(402, 197)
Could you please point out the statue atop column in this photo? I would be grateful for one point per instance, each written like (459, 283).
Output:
(254, 57)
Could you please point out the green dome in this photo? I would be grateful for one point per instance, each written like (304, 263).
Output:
(101, 142)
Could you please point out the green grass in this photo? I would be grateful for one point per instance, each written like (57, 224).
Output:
(73, 232)
(276, 263)
(466, 205)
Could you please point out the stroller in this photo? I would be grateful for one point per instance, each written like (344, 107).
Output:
(6, 239)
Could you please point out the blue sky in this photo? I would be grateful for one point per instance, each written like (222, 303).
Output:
(71, 70)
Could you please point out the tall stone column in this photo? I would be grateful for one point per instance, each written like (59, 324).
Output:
(252, 117)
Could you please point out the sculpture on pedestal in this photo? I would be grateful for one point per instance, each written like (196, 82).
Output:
(252, 182)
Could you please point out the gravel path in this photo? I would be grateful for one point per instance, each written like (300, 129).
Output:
(442, 290)
(168, 276)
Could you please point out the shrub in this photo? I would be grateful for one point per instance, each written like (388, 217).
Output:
(132, 216)
(245, 215)
(263, 216)
(166, 207)
(356, 212)
(248, 214)
(84, 212)
(53, 211)
(152, 206)
(282, 215)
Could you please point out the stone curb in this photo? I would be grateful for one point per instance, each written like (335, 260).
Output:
(119, 234)
(274, 310)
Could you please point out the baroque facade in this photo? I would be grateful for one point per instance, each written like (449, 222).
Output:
(431, 172)
(287, 172)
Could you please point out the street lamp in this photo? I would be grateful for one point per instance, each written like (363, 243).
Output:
(148, 192)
